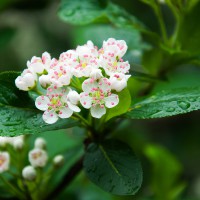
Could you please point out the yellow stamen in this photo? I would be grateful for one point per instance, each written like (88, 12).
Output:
(84, 65)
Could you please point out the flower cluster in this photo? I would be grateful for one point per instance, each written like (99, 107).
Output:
(37, 157)
(16, 143)
(19, 176)
(87, 77)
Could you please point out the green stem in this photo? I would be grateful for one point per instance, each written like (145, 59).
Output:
(12, 188)
(161, 22)
(82, 119)
(27, 191)
(66, 180)
(13, 174)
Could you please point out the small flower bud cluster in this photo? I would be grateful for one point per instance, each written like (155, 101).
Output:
(38, 158)
(16, 142)
(100, 73)
(37, 173)
(4, 161)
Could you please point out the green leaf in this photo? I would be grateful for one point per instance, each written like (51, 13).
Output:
(18, 114)
(113, 166)
(166, 103)
(10, 94)
(122, 106)
(121, 18)
(189, 31)
(165, 173)
(78, 12)
(145, 77)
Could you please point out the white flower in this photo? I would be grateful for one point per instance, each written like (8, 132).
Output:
(114, 66)
(18, 143)
(86, 61)
(26, 81)
(58, 160)
(29, 173)
(119, 81)
(69, 57)
(93, 49)
(3, 141)
(44, 81)
(40, 143)
(114, 48)
(110, 58)
(97, 95)
(4, 161)
(11, 140)
(56, 104)
(39, 65)
(73, 97)
(38, 157)
(60, 75)
(96, 74)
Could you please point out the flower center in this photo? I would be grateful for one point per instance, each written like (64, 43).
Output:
(97, 96)
(117, 77)
(2, 160)
(84, 64)
(36, 155)
(55, 102)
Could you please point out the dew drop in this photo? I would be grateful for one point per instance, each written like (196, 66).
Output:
(7, 123)
(42, 126)
(171, 109)
(3, 113)
(192, 99)
(12, 135)
(121, 19)
(69, 12)
(12, 129)
(183, 104)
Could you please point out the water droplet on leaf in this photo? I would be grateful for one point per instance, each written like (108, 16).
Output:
(183, 104)
(192, 99)
(12, 129)
(171, 109)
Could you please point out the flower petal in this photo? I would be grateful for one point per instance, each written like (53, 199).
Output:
(53, 90)
(111, 100)
(73, 107)
(85, 100)
(65, 112)
(105, 84)
(37, 67)
(88, 84)
(123, 67)
(65, 79)
(50, 117)
(42, 102)
(73, 97)
(97, 111)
